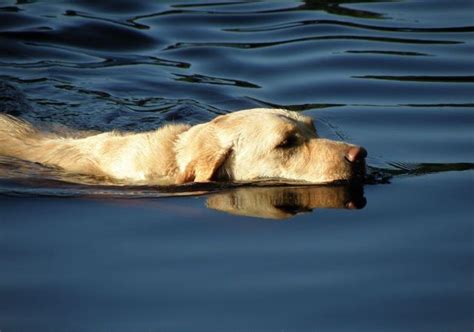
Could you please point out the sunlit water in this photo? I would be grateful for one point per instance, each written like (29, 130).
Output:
(395, 255)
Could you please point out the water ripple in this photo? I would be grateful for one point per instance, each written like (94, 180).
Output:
(215, 80)
(443, 79)
(255, 45)
(290, 25)
(115, 62)
(127, 23)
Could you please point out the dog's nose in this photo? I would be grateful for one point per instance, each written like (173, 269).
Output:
(356, 153)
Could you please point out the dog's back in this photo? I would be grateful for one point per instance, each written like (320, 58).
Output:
(17, 136)
(135, 157)
(21, 140)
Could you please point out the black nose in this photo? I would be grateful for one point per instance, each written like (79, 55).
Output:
(356, 153)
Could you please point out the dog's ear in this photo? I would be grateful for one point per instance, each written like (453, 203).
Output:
(199, 154)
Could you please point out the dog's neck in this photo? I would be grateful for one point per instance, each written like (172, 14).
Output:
(159, 164)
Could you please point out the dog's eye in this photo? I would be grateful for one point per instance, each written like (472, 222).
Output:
(289, 142)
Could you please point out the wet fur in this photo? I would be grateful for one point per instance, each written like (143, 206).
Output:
(243, 145)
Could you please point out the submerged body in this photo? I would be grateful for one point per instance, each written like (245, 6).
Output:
(240, 146)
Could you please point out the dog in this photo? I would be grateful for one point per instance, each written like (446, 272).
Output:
(246, 145)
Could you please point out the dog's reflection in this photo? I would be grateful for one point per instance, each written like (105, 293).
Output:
(285, 202)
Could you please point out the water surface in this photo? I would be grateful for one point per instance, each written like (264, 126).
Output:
(394, 255)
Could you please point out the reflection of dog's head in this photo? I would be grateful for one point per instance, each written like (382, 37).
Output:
(284, 202)
(265, 143)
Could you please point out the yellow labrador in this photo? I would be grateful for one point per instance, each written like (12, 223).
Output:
(241, 146)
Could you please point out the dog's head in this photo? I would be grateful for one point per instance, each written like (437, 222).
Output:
(265, 143)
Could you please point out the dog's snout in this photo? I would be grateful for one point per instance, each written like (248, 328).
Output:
(356, 153)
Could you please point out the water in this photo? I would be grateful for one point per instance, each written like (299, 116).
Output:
(395, 77)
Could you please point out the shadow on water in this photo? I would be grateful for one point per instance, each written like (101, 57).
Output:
(269, 199)
(286, 202)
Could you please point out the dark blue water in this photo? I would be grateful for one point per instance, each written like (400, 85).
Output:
(396, 77)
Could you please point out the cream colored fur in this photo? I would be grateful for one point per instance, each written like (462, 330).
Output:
(243, 146)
